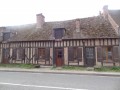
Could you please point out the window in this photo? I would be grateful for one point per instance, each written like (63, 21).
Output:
(89, 53)
(42, 53)
(59, 54)
(107, 53)
(99, 54)
(75, 53)
(18, 54)
(116, 53)
(58, 33)
(6, 36)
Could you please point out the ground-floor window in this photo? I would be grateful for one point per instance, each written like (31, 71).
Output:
(18, 54)
(107, 54)
(115, 54)
(42, 54)
(74, 54)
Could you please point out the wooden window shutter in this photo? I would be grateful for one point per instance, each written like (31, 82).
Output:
(79, 54)
(70, 54)
(47, 53)
(115, 53)
(99, 54)
(14, 53)
(36, 54)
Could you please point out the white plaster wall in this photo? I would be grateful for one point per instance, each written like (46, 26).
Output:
(66, 56)
(51, 55)
(0, 55)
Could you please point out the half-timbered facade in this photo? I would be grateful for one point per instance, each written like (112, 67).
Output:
(85, 42)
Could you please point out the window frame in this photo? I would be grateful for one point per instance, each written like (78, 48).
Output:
(59, 33)
(5, 36)
(41, 53)
(75, 54)
(46, 53)
(105, 53)
(20, 53)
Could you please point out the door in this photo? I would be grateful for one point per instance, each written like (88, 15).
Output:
(5, 55)
(89, 56)
(59, 57)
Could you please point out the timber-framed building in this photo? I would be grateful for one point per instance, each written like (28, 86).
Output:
(84, 42)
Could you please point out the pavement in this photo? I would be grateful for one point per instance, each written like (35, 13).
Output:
(59, 71)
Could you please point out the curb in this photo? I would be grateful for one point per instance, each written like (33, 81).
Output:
(66, 72)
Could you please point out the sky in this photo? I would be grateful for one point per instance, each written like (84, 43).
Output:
(19, 12)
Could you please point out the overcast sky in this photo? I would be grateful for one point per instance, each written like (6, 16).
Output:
(17, 12)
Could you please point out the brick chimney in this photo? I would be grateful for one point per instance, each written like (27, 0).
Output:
(77, 32)
(40, 20)
(105, 11)
(77, 23)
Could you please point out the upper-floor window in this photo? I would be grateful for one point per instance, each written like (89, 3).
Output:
(59, 33)
(6, 36)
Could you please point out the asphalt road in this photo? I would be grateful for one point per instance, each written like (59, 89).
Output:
(46, 81)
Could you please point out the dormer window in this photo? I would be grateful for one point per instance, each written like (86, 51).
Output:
(59, 33)
(6, 36)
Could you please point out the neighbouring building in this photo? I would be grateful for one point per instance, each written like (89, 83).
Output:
(85, 42)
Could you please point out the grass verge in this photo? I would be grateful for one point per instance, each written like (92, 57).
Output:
(73, 68)
(108, 69)
(98, 69)
(26, 66)
(69, 68)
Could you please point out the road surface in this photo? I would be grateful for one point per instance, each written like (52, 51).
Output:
(46, 81)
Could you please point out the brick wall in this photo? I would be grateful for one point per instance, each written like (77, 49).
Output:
(40, 20)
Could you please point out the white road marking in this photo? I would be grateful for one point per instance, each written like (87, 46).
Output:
(23, 85)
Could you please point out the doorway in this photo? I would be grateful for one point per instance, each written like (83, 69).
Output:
(89, 56)
(59, 57)
(5, 55)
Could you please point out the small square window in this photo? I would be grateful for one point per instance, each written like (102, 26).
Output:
(6, 36)
(58, 33)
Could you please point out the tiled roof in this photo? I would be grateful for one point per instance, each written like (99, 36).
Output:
(115, 14)
(96, 27)
(91, 27)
